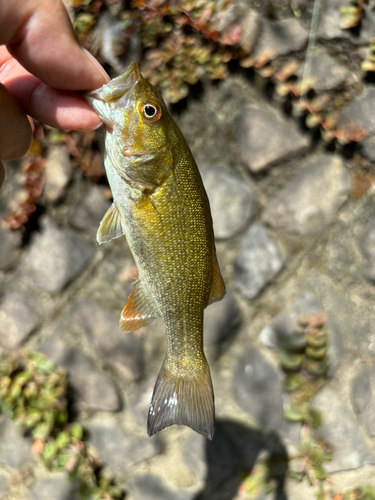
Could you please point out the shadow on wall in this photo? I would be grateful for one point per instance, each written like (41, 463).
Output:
(233, 452)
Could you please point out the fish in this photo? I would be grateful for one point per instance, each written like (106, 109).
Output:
(160, 205)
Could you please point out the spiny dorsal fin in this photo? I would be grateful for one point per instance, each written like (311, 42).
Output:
(138, 310)
(183, 399)
(110, 226)
(217, 291)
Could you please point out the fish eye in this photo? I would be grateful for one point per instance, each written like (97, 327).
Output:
(151, 111)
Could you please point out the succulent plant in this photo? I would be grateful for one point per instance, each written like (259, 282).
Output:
(351, 15)
(368, 65)
(34, 394)
(312, 453)
(303, 357)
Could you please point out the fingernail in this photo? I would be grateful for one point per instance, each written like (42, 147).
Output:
(104, 75)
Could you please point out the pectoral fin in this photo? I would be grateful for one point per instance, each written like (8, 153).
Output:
(138, 310)
(110, 226)
(217, 291)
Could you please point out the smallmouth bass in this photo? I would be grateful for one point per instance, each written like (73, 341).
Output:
(160, 205)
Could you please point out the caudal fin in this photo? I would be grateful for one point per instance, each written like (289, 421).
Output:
(183, 400)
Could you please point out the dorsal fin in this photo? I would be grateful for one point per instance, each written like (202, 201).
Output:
(217, 291)
(138, 311)
(110, 226)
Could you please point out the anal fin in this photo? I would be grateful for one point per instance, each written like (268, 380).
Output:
(110, 226)
(217, 291)
(138, 311)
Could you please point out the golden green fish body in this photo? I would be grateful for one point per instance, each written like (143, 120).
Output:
(161, 206)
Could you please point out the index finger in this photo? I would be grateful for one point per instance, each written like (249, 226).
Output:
(38, 33)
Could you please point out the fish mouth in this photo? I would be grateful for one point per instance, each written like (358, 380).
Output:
(105, 99)
(116, 88)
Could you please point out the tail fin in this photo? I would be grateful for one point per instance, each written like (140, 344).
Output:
(183, 400)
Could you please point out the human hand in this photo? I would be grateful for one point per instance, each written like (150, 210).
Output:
(41, 67)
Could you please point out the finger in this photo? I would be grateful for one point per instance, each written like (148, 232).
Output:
(39, 35)
(15, 130)
(60, 109)
(2, 174)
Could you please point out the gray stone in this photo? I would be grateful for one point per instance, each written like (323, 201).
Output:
(109, 39)
(17, 319)
(220, 320)
(356, 324)
(357, 119)
(4, 483)
(266, 137)
(120, 451)
(340, 429)
(257, 389)
(280, 38)
(368, 247)
(15, 450)
(88, 213)
(147, 486)
(93, 388)
(231, 200)
(311, 199)
(239, 14)
(329, 21)
(258, 262)
(55, 487)
(329, 24)
(325, 72)
(291, 431)
(368, 148)
(55, 257)
(58, 172)
(123, 350)
(10, 242)
(363, 397)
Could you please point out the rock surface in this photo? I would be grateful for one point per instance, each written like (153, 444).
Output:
(58, 172)
(363, 397)
(54, 487)
(266, 137)
(280, 38)
(358, 115)
(339, 421)
(15, 450)
(88, 213)
(101, 326)
(231, 200)
(10, 243)
(368, 247)
(325, 73)
(311, 199)
(17, 319)
(368, 148)
(258, 262)
(220, 320)
(93, 388)
(55, 257)
(149, 486)
(257, 389)
(120, 450)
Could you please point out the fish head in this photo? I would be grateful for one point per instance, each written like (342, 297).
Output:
(133, 112)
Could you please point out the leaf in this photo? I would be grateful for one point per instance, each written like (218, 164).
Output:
(50, 450)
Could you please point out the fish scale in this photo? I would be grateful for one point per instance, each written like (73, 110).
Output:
(160, 205)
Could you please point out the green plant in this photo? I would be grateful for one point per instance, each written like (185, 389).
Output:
(34, 394)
